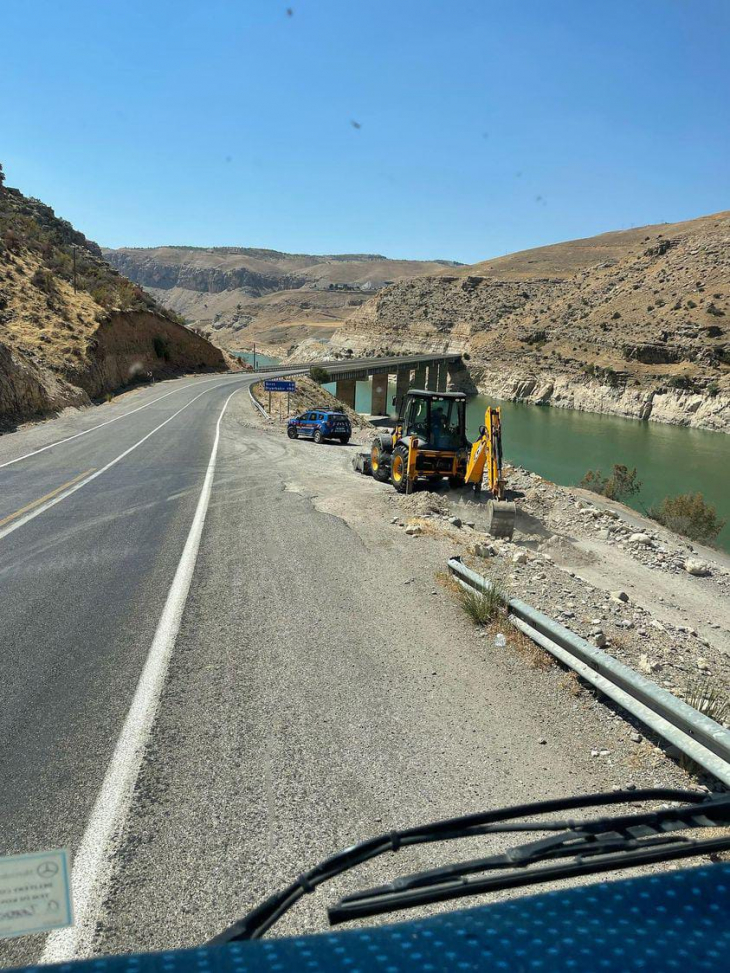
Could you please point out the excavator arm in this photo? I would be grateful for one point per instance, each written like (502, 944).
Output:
(486, 454)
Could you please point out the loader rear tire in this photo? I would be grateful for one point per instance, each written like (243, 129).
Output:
(399, 469)
(380, 459)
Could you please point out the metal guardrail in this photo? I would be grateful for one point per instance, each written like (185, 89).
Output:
(346, 367)
(687, 729)
(257, 404)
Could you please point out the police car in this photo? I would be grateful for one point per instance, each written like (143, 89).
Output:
(320, 424)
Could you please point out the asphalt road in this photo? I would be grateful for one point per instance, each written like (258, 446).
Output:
(312, 695)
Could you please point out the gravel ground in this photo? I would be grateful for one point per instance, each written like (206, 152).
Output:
(339, 691)
(610, 575)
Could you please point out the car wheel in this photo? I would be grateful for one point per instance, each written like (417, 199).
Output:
(399, 469)
(292, 432)
(344, 440)
(318, 437)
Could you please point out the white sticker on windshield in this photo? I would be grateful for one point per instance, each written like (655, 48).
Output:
(35, 893)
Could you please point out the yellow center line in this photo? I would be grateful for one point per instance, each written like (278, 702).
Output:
(48, 496)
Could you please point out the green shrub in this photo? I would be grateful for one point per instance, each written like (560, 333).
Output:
(483, 606)
(688, 514)
(683, 382)
(161, 346)
(44, 281)
(319, 375)
(622, 482)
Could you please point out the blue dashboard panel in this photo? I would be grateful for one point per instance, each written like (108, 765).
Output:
(673, 921)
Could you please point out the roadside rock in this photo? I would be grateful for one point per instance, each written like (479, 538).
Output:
(696, 567)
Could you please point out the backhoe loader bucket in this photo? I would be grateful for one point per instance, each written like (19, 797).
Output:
(501, 517)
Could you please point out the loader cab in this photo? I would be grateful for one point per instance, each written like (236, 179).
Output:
(438, 419)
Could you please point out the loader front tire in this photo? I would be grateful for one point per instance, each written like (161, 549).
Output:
(399, 469)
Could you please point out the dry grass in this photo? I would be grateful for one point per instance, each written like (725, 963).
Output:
(710, 697)
(530, 653)
(448, 581)
(570, 681)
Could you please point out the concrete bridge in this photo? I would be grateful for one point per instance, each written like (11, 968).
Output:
(411, 371)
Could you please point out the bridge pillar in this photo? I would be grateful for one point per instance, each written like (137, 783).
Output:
(419, 382)
(379, 406)
(441, 377)
(345, 391)
(402, 384)
(432, 377)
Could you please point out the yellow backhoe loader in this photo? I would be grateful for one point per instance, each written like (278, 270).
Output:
(429, 442)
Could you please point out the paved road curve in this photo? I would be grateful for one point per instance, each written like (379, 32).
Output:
(198, 708)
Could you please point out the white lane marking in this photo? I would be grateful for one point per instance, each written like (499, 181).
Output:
(60, 442)
(82, 483)
(92, 862)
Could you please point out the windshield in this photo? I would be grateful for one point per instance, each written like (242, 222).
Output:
(436, 420)
(364, 454)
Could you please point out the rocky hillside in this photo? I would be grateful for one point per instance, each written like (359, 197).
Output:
(64, 343)
(635, 323)
(277, 299)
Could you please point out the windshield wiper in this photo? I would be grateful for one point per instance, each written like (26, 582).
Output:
(595, 845)
(589, 853)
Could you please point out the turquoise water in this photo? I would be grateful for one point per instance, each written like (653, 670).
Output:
(247, 356)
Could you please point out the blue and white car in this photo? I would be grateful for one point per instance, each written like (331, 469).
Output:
(320, 424)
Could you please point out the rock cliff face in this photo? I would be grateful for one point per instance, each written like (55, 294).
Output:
(562, 391)
(62, 344)
(245, 295)
(642, 331)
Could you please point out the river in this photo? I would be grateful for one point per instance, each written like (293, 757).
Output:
(562, 444)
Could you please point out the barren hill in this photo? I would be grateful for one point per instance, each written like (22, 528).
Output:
(635, 322)
(71, 327)
(277, 299)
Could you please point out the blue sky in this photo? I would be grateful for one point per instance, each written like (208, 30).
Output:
(486, 127)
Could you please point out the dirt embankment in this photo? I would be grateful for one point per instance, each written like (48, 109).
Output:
(71, 327)
(309, 395)
(126, 347)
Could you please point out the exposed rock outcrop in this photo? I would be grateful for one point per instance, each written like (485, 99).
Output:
(641, 332)
(71, 327)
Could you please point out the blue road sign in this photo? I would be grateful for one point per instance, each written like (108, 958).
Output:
(279, 385)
